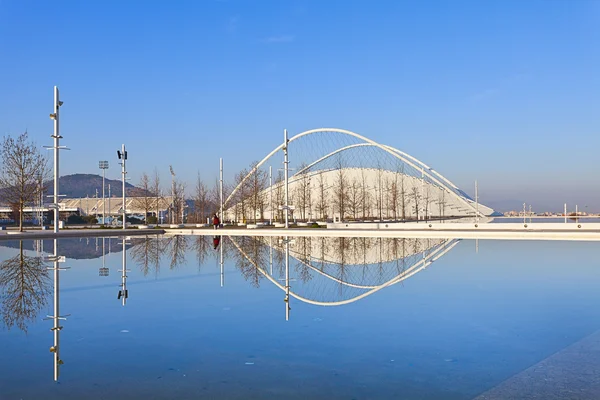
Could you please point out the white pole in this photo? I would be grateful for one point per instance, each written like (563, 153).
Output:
(576, 214)
(109, 198)
(172, 212)
(476, 203)
(271, 194)
(221, 188)
(285, 167)
(103, 199)
(287, 279)
(271, 254)
(565, 213)
(56, 315)
(124, 294)
(124, 172)
(221, 263)
(422, 186)
(56, 137)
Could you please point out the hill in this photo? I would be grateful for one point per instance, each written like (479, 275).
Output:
(82, 185)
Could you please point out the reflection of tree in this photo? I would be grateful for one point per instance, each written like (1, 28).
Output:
(25, 287)
(257, 252)
(146, 253)
(178, 246)
(304, 246)
(202, 245)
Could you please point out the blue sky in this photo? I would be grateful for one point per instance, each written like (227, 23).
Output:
(505, 92)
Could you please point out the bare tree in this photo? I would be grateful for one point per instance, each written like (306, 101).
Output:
(178, 200)
(403, 202)
(321, 205)
(23, 166)
(442, 203)
(279, 194)
(145, 201)
(155, 188)
(200, 199)
(340, 188)
(427, 199)
(241, 195)
(379, 191)
(303, 192)
(355, 199)
(257, 185)
(416, 198)
(365, 195)
(24, 289)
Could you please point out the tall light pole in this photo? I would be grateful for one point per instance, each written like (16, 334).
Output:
(123, 157)
(271, 195)
(109, 201)
(56, 147)
(286, 169)
(103, 166)
(221, 188)
(172, 212)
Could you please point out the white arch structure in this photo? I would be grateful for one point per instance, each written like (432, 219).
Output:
(433, 175)
(407, 273)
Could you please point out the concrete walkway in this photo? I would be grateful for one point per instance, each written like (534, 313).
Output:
(94, 232)
(573, 373)
(458, 233)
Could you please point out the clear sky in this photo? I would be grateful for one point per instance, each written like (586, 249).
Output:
(505, 92)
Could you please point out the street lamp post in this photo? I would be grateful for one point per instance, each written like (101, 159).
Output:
(103, 166)
(56, 147)
(122, 154)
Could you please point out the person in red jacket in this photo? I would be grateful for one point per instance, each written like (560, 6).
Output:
(216, 221)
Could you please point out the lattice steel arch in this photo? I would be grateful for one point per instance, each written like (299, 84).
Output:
(433, 175)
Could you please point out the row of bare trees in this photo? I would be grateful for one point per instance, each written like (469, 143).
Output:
(22, 174)
(322, 194)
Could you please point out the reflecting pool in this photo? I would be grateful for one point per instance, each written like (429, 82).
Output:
(165, 317)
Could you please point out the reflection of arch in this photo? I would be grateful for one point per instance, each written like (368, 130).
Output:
(405, 274)
(427, 171)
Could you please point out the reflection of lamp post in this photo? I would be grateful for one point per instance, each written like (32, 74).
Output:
(124, 293)
(221, 264)
(103, 271)
(55, 349)
(286, 241)
(287, 279)
(103, 166)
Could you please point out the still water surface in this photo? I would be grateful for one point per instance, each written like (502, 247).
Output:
(349, 318)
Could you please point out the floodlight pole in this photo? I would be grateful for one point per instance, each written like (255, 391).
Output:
(221, 188)
(103, 166)
(109, 200)
(271, 194)
(124, 173)
(285, 167)
(56, 136)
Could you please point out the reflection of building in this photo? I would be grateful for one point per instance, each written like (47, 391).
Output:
(89, 206)
(335, 271)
